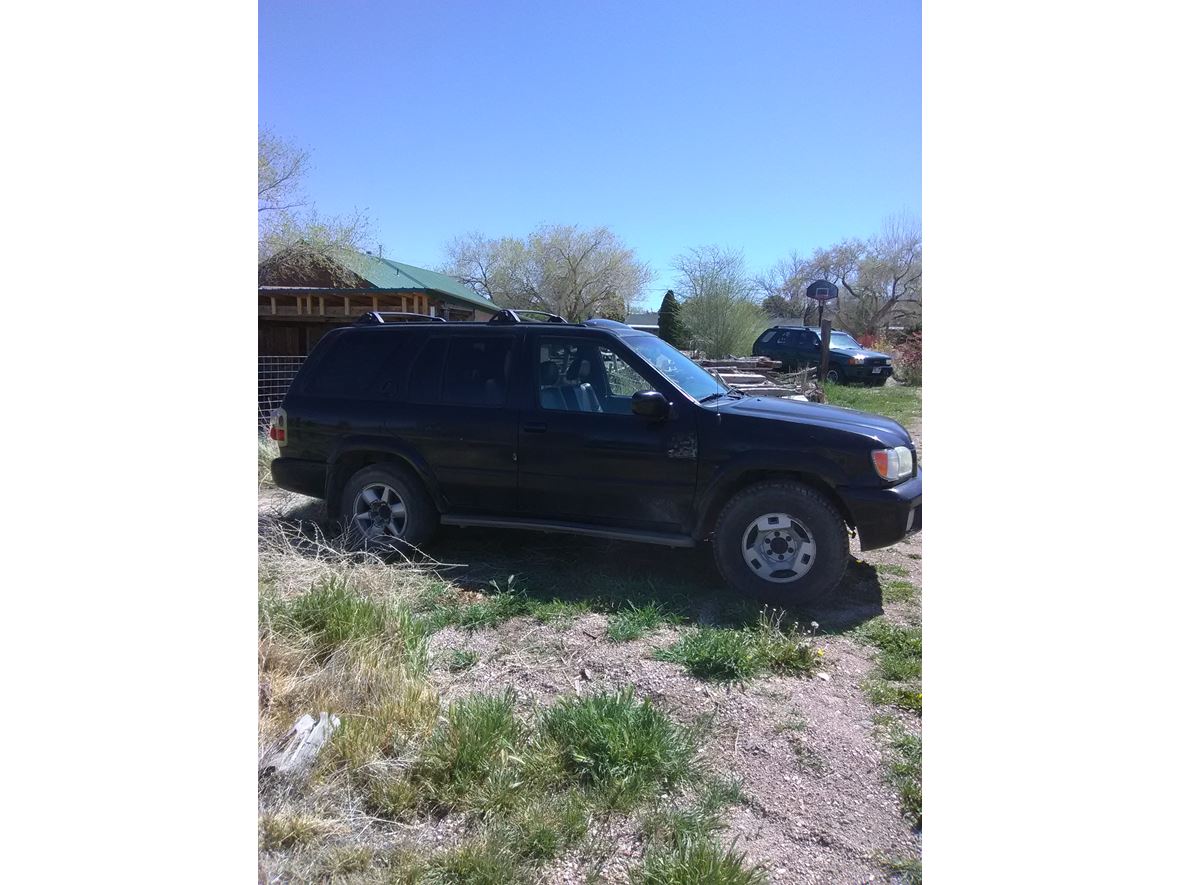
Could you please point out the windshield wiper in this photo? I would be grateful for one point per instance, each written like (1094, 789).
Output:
(718, 394)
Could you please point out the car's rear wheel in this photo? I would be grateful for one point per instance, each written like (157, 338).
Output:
(834, 376)
(385, 505)
(782, 542)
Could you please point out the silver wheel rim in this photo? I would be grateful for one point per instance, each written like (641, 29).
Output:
(378, 511)
(833, 376)
(778, 547)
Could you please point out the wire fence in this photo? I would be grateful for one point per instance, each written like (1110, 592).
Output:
(275, 374)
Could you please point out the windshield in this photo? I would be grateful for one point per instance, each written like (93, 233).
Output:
(675, 366)
(843, 340)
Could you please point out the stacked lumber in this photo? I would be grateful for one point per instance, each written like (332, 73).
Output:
(759, 376)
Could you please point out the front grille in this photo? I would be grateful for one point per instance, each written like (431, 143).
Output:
(875, 361)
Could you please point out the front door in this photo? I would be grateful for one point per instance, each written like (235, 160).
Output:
(585, 457)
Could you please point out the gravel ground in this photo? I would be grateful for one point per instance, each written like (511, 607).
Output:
(818, 807)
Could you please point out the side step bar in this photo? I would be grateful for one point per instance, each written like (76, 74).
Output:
(667, 539)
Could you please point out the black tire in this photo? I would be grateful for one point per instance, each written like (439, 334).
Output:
(816, 514)
(420, 519)
(835, 375)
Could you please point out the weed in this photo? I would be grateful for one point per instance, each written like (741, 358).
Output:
(904, 871)
(634, 621)
(698, 820)
(895, 570)
(729, 654)
(348, 859)
(558, 612)
(623, 749)
(268, 450)
(461, 659)
(467, 762)
(905, 769)
(546, 828)
(696, 862)
(292, 830)
(900, 657)
(793, 721)
(897, 591)
(475, 862)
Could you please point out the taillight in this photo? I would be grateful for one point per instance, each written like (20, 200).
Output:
(278, 427)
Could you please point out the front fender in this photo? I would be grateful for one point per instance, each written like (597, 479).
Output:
(736, 472)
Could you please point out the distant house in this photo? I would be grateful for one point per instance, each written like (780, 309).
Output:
(645, 322)
(302, 294)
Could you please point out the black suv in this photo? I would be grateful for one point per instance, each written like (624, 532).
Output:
(595, 429)
(847, 361)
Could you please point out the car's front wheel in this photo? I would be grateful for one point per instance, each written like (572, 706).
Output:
(834, 376)
(782, 542)
(386, 505)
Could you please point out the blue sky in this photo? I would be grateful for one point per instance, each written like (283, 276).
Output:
(766, 126)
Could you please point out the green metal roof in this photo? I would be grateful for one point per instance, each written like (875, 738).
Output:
(383, 273)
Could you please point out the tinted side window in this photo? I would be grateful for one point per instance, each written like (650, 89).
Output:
(784, 339)
(476, 371)
(765, 337)
(357, 365)
(426, 372)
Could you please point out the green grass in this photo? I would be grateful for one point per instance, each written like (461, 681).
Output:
(460, 659)
(896, 680)
(902, 404)
(732, 654)
(559, 612)
(904, 871)
(700, 819)
(622, 749)
(696, 862)
(896, 570)
(635, 621)
(897, 591)
(904, 767)
(469, 761)
(291, 830)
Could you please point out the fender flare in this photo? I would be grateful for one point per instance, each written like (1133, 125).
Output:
(342, 464)
(813, 469)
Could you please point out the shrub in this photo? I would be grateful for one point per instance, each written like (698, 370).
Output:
(907, 360)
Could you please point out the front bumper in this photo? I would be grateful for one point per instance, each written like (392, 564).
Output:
(885, 516)
(865, 373)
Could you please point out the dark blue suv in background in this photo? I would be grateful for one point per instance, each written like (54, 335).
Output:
(594, 429)
(798, 346)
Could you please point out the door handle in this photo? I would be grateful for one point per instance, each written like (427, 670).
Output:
(535, 426)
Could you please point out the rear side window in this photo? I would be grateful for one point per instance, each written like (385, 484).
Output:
(357, 365)
(766, 336)
(477, 371)
(426, 373)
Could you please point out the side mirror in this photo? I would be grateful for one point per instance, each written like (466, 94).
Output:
(650, 404)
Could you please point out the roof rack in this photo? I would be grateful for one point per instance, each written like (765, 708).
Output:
(378, 317)
(514, 316)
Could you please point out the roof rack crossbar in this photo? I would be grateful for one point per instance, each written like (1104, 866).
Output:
(514, 316)
(375, 317)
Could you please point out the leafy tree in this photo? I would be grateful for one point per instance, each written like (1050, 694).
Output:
(671, 328)
(573, 272)
(719, 311)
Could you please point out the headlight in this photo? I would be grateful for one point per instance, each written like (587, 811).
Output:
(893, 464)
(857, 360)
(889, 362)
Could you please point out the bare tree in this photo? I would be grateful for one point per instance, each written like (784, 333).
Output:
(281, 167)
(287, 222)
(719, 311)
(563, 269)
(880, 278)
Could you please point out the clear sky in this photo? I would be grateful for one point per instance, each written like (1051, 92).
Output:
(766, 126)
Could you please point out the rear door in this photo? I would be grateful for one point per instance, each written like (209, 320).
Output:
(460, 421)
(584, 456)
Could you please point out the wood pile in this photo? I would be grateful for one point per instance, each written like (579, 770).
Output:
(759, 376)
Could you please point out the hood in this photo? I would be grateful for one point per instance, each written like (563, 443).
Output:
(861, 351)
(878, 427)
